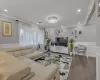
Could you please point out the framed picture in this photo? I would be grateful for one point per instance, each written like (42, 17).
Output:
(57, 32)
(6, 29)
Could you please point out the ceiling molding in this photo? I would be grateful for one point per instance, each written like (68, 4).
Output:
(14, 18)
(67, 26)
(5, 15)
(94, 23)
(90, 12)
(74, 25)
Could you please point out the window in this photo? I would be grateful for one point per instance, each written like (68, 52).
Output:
(26, 34)
(30, 35)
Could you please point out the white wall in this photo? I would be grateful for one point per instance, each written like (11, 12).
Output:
(15, 36)
(88, 33)
(88, 36)
(66, 32)
(13, 41)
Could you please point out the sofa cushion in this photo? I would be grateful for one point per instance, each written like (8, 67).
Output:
(33, 55)
(26, 51)
(11, 53)
(20, 75)
(21, 57)
(10, 65)
(38, 52)
(30, 50)
(26, 60)
(17, 53)
(29, 76)
(43, 72)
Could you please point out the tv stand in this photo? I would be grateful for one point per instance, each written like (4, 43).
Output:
(59, 49)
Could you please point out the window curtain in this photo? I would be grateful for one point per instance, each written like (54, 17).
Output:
(30, 34)
(40, 32)
(27, 34)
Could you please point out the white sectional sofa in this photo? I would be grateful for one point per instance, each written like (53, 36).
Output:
(18, 62)
(24, 52)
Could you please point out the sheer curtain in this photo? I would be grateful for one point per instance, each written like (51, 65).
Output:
(41, 38)
(27, 34)
(30, 34)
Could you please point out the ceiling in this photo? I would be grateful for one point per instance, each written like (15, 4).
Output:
(38, 10)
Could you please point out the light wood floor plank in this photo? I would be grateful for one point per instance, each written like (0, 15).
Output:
(82, 68)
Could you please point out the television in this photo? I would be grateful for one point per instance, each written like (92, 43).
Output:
(61, 41)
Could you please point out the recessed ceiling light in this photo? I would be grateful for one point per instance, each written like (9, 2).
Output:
(79, 10)
(79, 23)
(5, 10)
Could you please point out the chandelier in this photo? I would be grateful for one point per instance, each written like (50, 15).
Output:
(52, 19)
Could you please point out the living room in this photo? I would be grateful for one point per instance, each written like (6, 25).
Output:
(43, 42)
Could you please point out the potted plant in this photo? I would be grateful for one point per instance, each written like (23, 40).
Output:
(48, 44)
(71, 46)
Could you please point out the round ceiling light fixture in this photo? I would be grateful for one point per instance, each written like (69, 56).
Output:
(52, 19)
(79, 10)
(79, 22)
